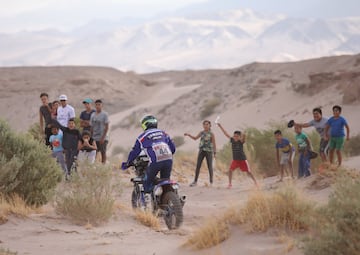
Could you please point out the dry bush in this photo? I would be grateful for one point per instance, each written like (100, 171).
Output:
(183, 166)
(148, 219)
(213, 232)
(14, 205)
(88, 197)
(283, 209)
(328, 174)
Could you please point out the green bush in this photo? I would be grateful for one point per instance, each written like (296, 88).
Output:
(352, 147)
(88, 197)
(34, 131)
(337, 229)
(261, 147)
(4, 251)
(26, 167)
(225, 154)
(209, 107)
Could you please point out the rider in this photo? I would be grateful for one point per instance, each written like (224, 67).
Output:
(158, 147)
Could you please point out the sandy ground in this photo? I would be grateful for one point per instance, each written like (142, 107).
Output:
(48, 233)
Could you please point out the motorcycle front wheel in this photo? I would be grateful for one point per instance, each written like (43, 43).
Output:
(173, 210)
(135, 199)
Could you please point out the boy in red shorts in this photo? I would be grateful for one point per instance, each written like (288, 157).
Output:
(239, 157)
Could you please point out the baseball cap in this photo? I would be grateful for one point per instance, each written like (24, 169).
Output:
(63, 97)
(87, 100)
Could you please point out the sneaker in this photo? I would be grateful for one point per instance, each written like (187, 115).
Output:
(229, 186)
(193, 184)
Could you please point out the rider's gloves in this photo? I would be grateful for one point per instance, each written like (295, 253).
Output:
(124, 165)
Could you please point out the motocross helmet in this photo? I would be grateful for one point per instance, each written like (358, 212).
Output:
(148, 121)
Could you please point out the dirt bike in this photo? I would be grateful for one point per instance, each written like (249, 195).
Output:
(165, 200)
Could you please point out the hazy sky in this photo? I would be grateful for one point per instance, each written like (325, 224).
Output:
(17, 15)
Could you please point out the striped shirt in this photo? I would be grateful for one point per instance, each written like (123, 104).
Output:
(237, 149)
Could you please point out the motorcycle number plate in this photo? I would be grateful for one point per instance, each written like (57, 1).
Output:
(162, 151)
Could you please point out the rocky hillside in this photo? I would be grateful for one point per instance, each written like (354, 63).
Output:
(251, 95)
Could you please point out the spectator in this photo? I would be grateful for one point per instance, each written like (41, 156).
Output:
(85, 115)
(99, 123)
(45, 115)
(65, 112)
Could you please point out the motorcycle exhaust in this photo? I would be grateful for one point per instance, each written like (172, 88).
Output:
(183, 200)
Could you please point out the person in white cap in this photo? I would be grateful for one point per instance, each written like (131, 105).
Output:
(65, 112)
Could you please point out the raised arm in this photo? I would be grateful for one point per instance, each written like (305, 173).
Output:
(224, 131)
(193, 137)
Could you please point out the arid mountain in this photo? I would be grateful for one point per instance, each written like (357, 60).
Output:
(251, 95)
(20, 88)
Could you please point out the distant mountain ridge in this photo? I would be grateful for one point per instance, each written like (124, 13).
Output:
(199, 41)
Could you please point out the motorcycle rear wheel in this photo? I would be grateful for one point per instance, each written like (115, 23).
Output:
(173, 210)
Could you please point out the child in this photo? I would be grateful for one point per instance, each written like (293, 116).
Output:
(304, 147)
(56, 140)
(337, 139)
(71, 138)
(287, 156)
(87, 147)
(239, 157)
(207, 148)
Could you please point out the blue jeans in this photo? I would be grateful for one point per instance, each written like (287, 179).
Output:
(164, 167)
(304, 164)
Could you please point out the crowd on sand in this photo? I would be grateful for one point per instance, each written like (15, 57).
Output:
(68, 144)
(57, 125)
(331, 131)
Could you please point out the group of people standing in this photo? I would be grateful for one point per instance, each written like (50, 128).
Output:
(332, 139)
(57, 125)
(331, 131)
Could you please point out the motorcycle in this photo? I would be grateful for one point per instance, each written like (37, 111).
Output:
(165, 199)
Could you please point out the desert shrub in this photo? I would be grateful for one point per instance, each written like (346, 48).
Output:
(352, 147)
(26, 167)
(13, 205)
(147, 219)
(209, 107)
(34, 131)
(178, 140)
(337, 227)
(88, 197)
(284, 208)
(4, 251)
(225, 154)
(213, 232)
(261, 146)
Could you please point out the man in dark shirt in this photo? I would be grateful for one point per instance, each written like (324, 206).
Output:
(45, 116)
(85, 115)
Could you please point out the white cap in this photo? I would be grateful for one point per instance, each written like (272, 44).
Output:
(62, 97)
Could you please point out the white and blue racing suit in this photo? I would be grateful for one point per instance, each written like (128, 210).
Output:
(159, 148)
